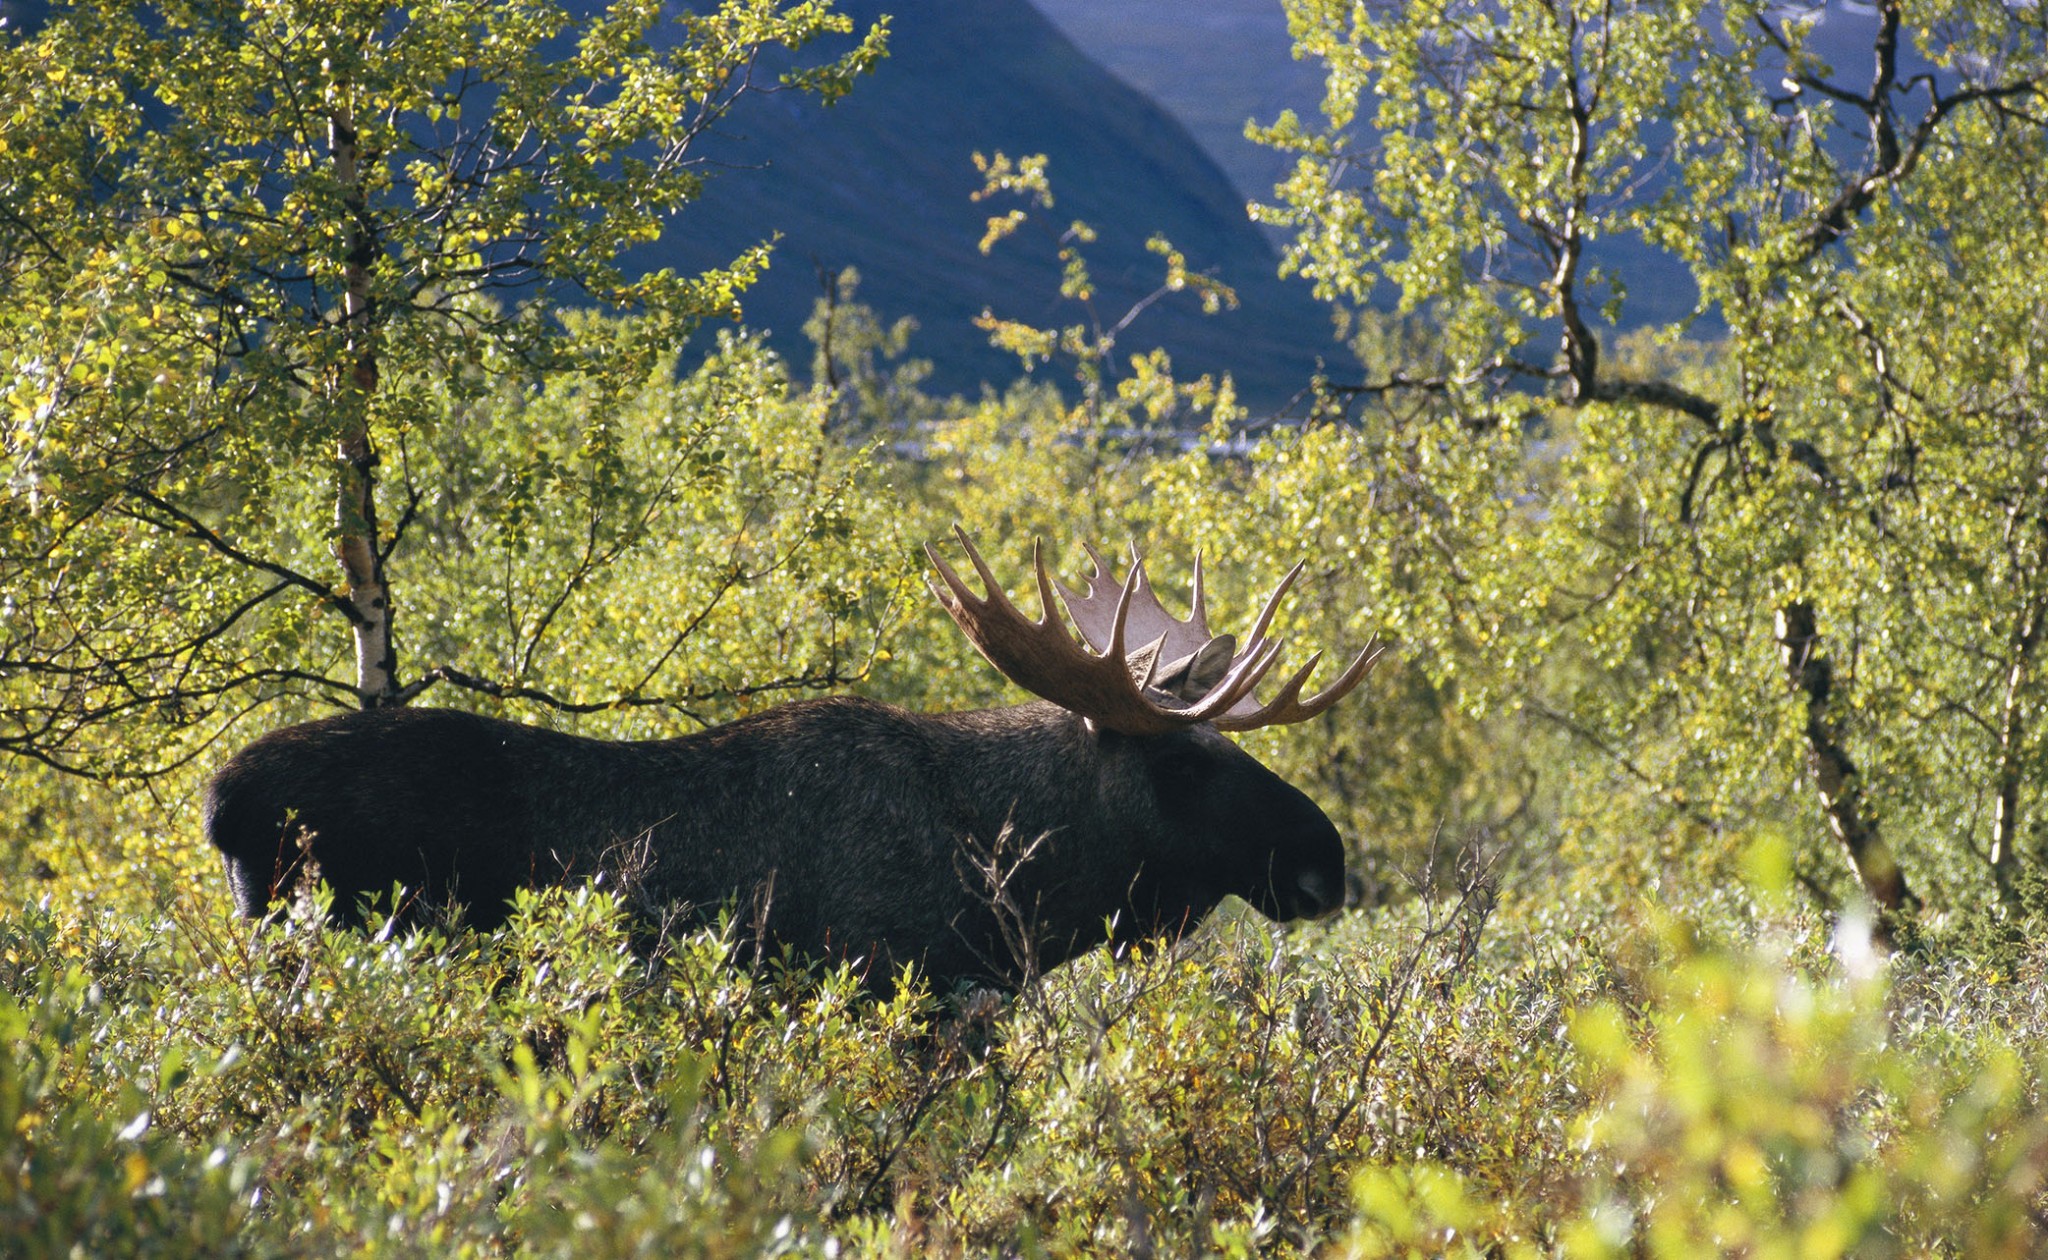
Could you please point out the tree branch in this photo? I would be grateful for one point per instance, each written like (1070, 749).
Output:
(1835, 775)
(189, 526)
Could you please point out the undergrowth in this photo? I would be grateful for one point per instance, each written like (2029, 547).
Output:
(1484, 1074)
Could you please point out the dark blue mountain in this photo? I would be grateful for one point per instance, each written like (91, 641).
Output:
(881, 182)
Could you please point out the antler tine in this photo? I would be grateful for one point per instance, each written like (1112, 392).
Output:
(1044, 659)
(1258, 630)
(1132, 581)
(1095, 559)
(1353, 674)
(955, 593)
(1098, 572)
(1285, 708)
(1045, 612)
(996, 595)
(1198, 603)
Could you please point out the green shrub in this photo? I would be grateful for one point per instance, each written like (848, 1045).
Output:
(1749, 1106)
(85, 1169)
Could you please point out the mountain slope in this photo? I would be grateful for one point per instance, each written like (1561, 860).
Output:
(1212, 65)
(882, 182)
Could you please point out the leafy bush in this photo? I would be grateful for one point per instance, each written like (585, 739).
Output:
(1469, 1073)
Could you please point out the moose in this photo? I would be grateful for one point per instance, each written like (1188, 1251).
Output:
(981, 846)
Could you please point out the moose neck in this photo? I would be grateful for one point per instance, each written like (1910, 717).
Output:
(1066, 829)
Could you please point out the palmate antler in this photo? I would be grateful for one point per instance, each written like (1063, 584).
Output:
(1179, 676)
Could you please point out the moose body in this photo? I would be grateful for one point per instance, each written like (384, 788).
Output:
(853, 829)
(978, 845)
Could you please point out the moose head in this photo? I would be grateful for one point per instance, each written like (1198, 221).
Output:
(1167, 698)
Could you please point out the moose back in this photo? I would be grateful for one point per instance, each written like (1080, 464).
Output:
(981, 845)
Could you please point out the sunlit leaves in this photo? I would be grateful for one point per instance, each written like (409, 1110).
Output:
(1853, 427)
(242, 240)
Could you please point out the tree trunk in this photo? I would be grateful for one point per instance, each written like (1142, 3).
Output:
(1812, 675)
(355, 509)
(2012, 736)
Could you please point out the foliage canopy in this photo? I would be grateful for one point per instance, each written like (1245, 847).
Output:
(1811, 492)
(262, 263)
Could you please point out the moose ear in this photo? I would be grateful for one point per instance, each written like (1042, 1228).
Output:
(1144, 662)
(1196, 674)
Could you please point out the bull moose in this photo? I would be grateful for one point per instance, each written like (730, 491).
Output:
(978, 845)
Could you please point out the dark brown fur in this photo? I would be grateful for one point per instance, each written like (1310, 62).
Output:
(858, 830)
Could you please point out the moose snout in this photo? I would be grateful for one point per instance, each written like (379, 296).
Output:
(1317, 895)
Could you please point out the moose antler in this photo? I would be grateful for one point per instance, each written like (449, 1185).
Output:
(1146, 692)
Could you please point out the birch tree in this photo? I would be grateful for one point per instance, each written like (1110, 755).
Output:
(1730, 515)
(258, 255)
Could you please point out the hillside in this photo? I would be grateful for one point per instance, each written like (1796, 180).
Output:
(882, 182)
(1212, 66)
